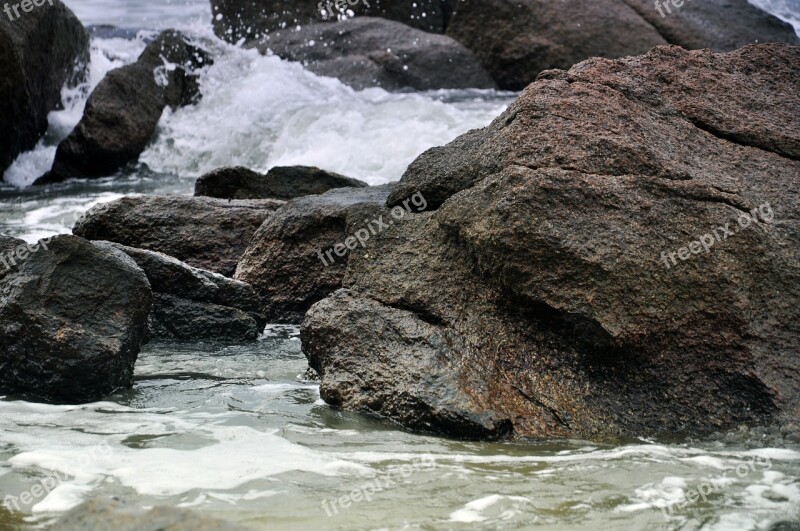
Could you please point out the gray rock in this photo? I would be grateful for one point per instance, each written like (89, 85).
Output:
(422, 393)
(283, 261)
(546, 267)
(9, 247)
(123, 111)
(721, 25)
(179, 318)
(371, 52)
(188, 292)
(280, 182)
(514, 40)
(207, 233)
(234, 20)
(72, 320)
(105, 513)
(40, 52)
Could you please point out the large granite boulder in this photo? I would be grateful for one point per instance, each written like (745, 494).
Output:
(207, 233)
(123, 111)
(516, 39)
(236, 20)
(280, 182)
(368, 52)
(192, 303)
(41, 51)
(721, 25)
(72, 320)
(298, 256)
(618, 254)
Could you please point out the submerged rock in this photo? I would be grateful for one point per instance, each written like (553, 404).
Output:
(234, 20)
(204, 232)
(192, 303)
(102, 514)
(40, 52)
(281, 182)
(576, 276)
(123, 111)
(286, 261)
(72, 320)
(372, 52)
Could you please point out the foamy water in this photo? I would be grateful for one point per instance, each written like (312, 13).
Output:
(232, 431)
(255, 111)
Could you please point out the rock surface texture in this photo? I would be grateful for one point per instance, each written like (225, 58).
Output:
(280, 182)
(105, 513)
(192, 303)
(283, 261)
(123, 111)
(72, 320)
(721, 25)
(558, 287)
(517, 39)
(40, 52)
(207, 233)
(372, 52)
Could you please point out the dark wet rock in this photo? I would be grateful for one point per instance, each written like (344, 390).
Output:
(286, 261)
(204, 232)
(422, 393)
(40, 52)
(235, 20)
(555, 285)
(516, 39)
(722, 25)
(9, 247)
(785, 525)
(281, 182)
(123, 111)
(372, 52)
(102, 514)
(72, 319)
(179, 318)
(193, 303)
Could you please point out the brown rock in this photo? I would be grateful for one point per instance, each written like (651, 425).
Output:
(551, 277)
(204, 232)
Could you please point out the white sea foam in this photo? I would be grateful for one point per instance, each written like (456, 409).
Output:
(260, 112)
(105, 55)
(473, 511)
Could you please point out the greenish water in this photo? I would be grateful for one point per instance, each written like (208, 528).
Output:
(231, 430)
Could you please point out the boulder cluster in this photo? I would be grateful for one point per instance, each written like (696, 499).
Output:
(527, 297)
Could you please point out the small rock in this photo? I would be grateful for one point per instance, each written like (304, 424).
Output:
(204, 232)
(281, 182)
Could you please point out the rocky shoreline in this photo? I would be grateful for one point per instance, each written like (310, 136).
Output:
(525, 298)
